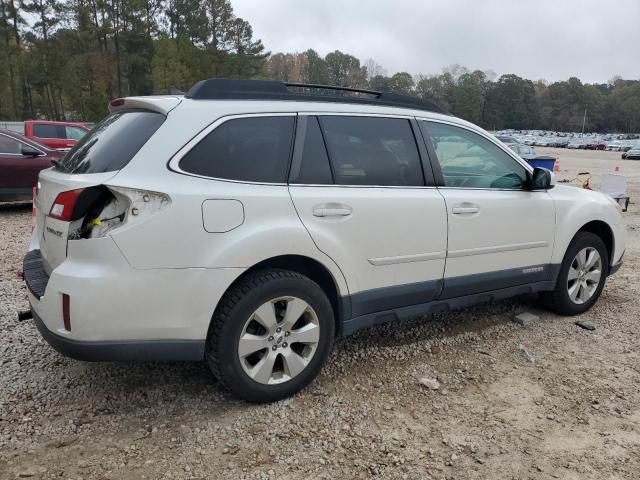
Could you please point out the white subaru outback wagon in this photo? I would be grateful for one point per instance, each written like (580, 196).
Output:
(247, 223)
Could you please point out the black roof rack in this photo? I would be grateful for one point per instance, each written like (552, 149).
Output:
(226, 89)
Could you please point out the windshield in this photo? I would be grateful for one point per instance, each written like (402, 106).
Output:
(111, 144)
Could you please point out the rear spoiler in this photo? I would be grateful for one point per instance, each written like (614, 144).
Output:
(160, 103)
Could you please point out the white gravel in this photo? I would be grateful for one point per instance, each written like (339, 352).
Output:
(572, 414)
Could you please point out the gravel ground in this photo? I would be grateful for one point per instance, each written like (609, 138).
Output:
(547, 400)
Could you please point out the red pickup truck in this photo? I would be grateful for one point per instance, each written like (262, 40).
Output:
(56, 135)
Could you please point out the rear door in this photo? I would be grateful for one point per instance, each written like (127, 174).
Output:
(366, 203)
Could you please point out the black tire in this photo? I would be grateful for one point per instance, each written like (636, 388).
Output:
(559, 300)
(238, 305)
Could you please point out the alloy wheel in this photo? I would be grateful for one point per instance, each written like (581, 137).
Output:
(585, 274)
(279, 340)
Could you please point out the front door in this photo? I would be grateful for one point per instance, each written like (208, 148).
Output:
(366, 205)
(500, 233)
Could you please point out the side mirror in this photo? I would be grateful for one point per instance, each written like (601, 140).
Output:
(542, 179)
(29, 151)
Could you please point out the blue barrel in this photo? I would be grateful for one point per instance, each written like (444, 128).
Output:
(543, 161)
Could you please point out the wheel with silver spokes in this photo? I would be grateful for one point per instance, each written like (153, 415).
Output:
(582, 275)
(270, 335)
(279, 340)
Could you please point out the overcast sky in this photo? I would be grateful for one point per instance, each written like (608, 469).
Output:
(551, 39)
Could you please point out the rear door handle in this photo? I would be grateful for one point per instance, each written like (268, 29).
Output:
(465, 209)
(332, 210)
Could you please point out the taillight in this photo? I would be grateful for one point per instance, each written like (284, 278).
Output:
(64, 204)
(118, 102)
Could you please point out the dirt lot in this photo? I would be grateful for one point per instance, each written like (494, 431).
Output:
(573, 413)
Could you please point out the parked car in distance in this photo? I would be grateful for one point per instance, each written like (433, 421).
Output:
(632, 154)
(21, 160)
(595, 145)
(506, 139)
(614, 146)
(247, 225)
(56, 135)
(525, 152)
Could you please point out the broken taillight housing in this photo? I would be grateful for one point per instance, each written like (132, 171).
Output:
(64, 204)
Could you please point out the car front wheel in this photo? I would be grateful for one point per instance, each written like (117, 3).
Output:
(270, 335)
(582, 275)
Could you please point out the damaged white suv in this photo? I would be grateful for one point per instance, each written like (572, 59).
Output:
(247, 223)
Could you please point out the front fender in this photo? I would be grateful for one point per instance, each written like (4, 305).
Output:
(576, 207)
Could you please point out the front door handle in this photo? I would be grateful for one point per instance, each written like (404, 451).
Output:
(465, 209)
(332, 210)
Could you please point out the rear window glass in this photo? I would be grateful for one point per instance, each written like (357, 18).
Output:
(254, 149)
(42, 130)
(112, 143)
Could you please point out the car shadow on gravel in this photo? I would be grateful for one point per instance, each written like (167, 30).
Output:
(128, 387)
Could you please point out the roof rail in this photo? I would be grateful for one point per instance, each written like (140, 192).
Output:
(226, 89)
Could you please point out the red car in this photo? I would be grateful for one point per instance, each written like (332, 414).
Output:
(21, 160)
(57, 135)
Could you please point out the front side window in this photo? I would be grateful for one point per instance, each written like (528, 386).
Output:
(252, 149)
(74, 133)
(372, 151)
(468, 160)
(9, 146)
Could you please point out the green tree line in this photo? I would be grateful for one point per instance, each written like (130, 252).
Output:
(494, 103)
(65, 59)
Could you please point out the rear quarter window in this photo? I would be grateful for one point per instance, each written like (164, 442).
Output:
(112, 143)
(252, 149)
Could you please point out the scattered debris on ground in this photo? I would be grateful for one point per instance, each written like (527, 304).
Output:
(585, 325)
(525, 318)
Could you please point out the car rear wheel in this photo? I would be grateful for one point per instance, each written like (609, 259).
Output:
(582, 275)
(270, 335)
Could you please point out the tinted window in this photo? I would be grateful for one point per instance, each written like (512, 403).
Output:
(113, 142)
(43, 130)
(468, 160)
(9, 145)
(314, 168)
(372, 151)
(255, 149)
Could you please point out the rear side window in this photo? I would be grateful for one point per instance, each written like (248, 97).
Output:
(112, 143)
(42, 130)
(253, 149)
(372, 151)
